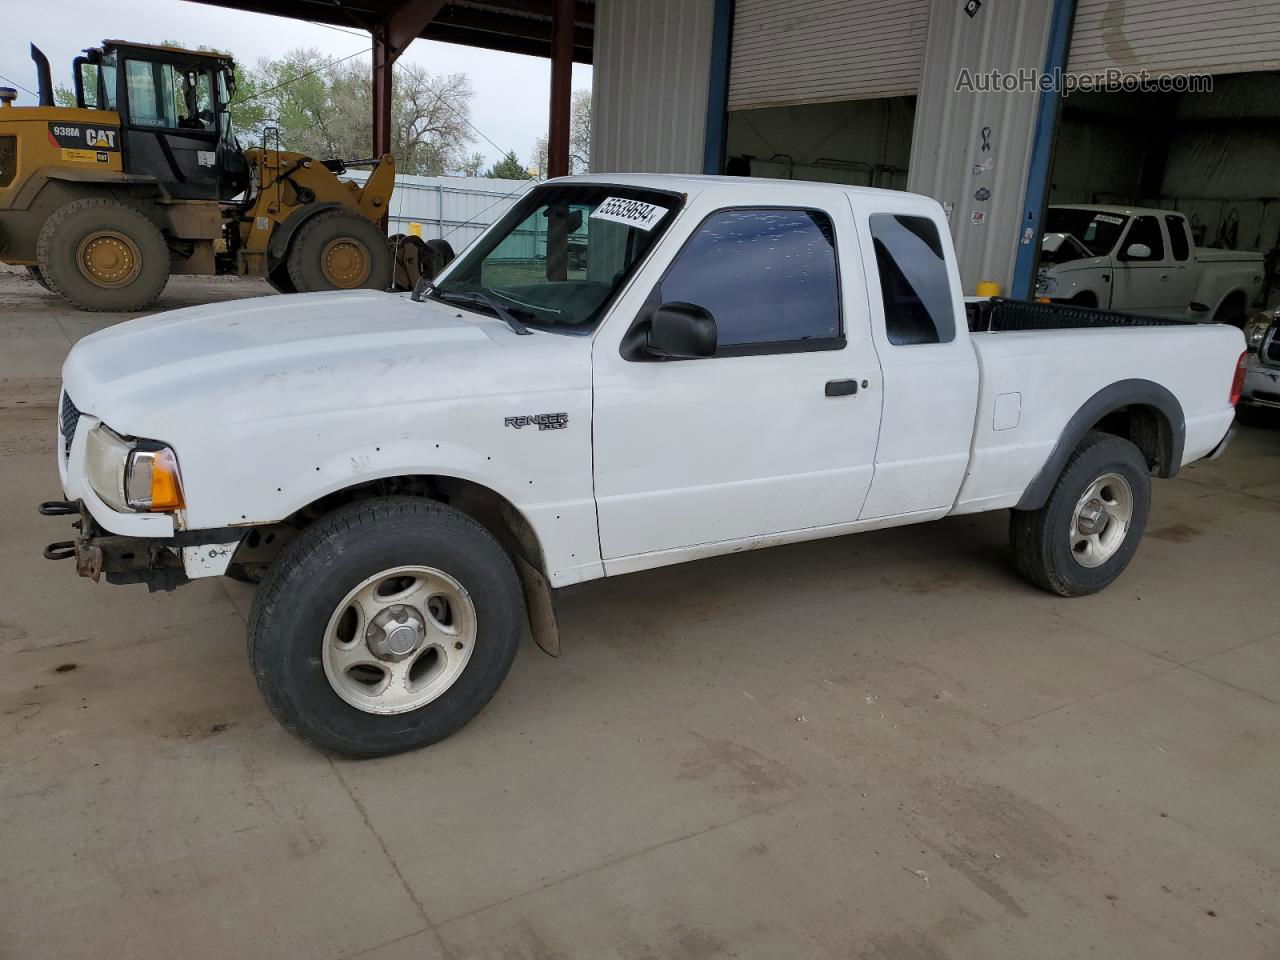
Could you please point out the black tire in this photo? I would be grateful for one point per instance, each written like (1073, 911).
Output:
(58, 251)
(308, 250)
(1232, 312)
(35, 274)
(312, 575)
(1041, 539)
(1084, 300)
(278, 279)
(438, 255)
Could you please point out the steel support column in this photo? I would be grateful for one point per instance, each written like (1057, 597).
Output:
(1058, 46)
(390, 39)
(561, 88)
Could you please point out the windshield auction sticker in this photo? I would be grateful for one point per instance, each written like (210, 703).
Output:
(633, 213)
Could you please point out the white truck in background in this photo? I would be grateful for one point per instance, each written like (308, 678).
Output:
(728, 364)
(1143, 261)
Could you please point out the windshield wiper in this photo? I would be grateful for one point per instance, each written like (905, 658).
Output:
(479, 296)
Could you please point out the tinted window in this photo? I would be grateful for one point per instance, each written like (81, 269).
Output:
(767, 276)
(913, 280)
(1178, 237)
(1145, 230)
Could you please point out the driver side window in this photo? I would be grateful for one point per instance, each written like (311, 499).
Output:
(768, 276)
(1146, 231)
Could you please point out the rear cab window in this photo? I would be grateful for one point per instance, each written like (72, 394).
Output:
(914, 284)
(1178, 241)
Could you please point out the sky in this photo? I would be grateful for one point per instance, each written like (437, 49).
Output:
(511, 91)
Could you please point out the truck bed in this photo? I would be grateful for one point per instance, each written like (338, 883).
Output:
(999, 315)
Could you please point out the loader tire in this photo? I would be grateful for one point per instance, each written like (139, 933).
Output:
(103, 255)
(385, 626)
(337, 250)
(278, 279)
(1088, 530)
(35, 274)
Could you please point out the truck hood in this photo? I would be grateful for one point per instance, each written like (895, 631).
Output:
(279, 356)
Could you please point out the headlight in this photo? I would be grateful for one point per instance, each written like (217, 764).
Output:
(1255, 331)
(1046, 283)
(132, 474)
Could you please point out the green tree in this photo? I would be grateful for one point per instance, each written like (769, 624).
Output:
(472, 166)
(324, 109)
(579, 138)
(508, 168)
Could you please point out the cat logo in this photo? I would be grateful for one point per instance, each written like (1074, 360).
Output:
(101, 137)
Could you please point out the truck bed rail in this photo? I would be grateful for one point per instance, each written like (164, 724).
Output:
(1000, 315)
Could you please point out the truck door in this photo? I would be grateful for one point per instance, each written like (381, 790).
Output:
(929, 367)
(774, 433)
(1143, 274)
(170, 126)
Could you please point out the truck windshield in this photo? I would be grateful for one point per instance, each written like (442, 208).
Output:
(558, 257)
(1096, 230)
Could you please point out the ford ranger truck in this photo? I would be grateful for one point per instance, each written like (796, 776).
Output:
(1143, 261)
(724, 364)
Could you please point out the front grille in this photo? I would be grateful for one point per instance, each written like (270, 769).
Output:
(70, 416)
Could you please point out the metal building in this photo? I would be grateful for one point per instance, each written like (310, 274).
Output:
(870, 93)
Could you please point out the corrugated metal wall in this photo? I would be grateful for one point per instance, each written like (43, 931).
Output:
(816, 51)
(1174, 36)
(649, 85)
(456, 208)
(971, 150)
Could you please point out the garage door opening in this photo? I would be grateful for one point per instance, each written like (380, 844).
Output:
(858, 142)
(1148, 175)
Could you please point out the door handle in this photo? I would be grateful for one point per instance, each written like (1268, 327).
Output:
(841, 388)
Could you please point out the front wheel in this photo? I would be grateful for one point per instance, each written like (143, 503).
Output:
(337, 250)
(385, 626)
(1089, 528)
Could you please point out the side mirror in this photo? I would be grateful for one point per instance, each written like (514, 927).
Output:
(681, 331)
(1138, 251)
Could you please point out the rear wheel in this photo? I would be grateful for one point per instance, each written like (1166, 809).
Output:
(385, 626)
(103, 255)
(1089, 528)
(337, 250)
(1231, 312)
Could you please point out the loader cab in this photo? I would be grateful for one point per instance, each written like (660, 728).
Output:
(174, 114)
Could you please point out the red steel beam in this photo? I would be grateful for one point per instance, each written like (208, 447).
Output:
(390, 38)
(561, 88)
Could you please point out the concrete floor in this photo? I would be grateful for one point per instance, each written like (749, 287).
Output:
(884, 746)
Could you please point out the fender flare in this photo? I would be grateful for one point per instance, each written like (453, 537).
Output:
(280, 240)
(1124, 393)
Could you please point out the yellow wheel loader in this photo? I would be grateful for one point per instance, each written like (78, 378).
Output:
(104, 200)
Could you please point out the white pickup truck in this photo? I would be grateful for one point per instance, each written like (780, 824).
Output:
(730, 364)
(1143, 261)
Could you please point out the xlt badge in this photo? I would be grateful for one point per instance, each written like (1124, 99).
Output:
(545, 421)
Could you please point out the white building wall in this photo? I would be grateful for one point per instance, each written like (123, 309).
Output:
(455, 208)
(649, 85)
